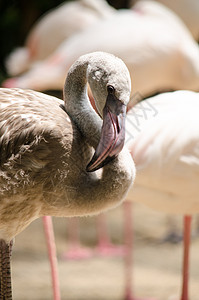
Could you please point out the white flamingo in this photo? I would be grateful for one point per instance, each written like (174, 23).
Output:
(46, 145)
(156, 46)
(59, 23)
(163, 135)
(187, 10)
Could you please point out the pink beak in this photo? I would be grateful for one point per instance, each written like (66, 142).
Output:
(112, 134)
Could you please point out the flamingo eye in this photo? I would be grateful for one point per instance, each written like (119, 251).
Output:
(110, 89)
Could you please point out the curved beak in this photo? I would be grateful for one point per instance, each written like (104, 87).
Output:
(112, 134)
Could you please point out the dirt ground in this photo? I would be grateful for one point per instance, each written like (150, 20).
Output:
(156, 271)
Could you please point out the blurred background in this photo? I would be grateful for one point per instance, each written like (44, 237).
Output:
(18, 16)
(157, 262)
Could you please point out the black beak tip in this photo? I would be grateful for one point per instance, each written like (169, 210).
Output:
(88, 168)
(99, 166)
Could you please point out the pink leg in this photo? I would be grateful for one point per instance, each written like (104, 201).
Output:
(105, 247)
(128, 228)
(76, 251)
(187, 233)
(49, 233)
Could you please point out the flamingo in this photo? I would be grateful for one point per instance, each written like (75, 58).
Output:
(187, 10)
(162, 133)
(46, 145)
(156, 46)
(61, 22)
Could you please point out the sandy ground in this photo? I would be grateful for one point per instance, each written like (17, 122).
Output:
(157, 266)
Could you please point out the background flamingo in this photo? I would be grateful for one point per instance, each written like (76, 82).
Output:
(153, 42)
(59, 23)
(29, 168)
(164, 141)
(187, 10)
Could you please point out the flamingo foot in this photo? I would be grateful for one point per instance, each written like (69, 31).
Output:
(77, 253)
(108, 250)
(172, 238)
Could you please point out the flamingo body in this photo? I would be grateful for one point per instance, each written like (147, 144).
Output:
(188, 11)
(166, 152)
(162, 133)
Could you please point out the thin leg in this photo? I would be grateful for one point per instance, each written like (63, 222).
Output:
(49, 233)
(5, 271)
(128, 228)
(76, 251)
(105, 246)
(187, 234)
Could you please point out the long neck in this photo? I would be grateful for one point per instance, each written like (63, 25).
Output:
(78, 105)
